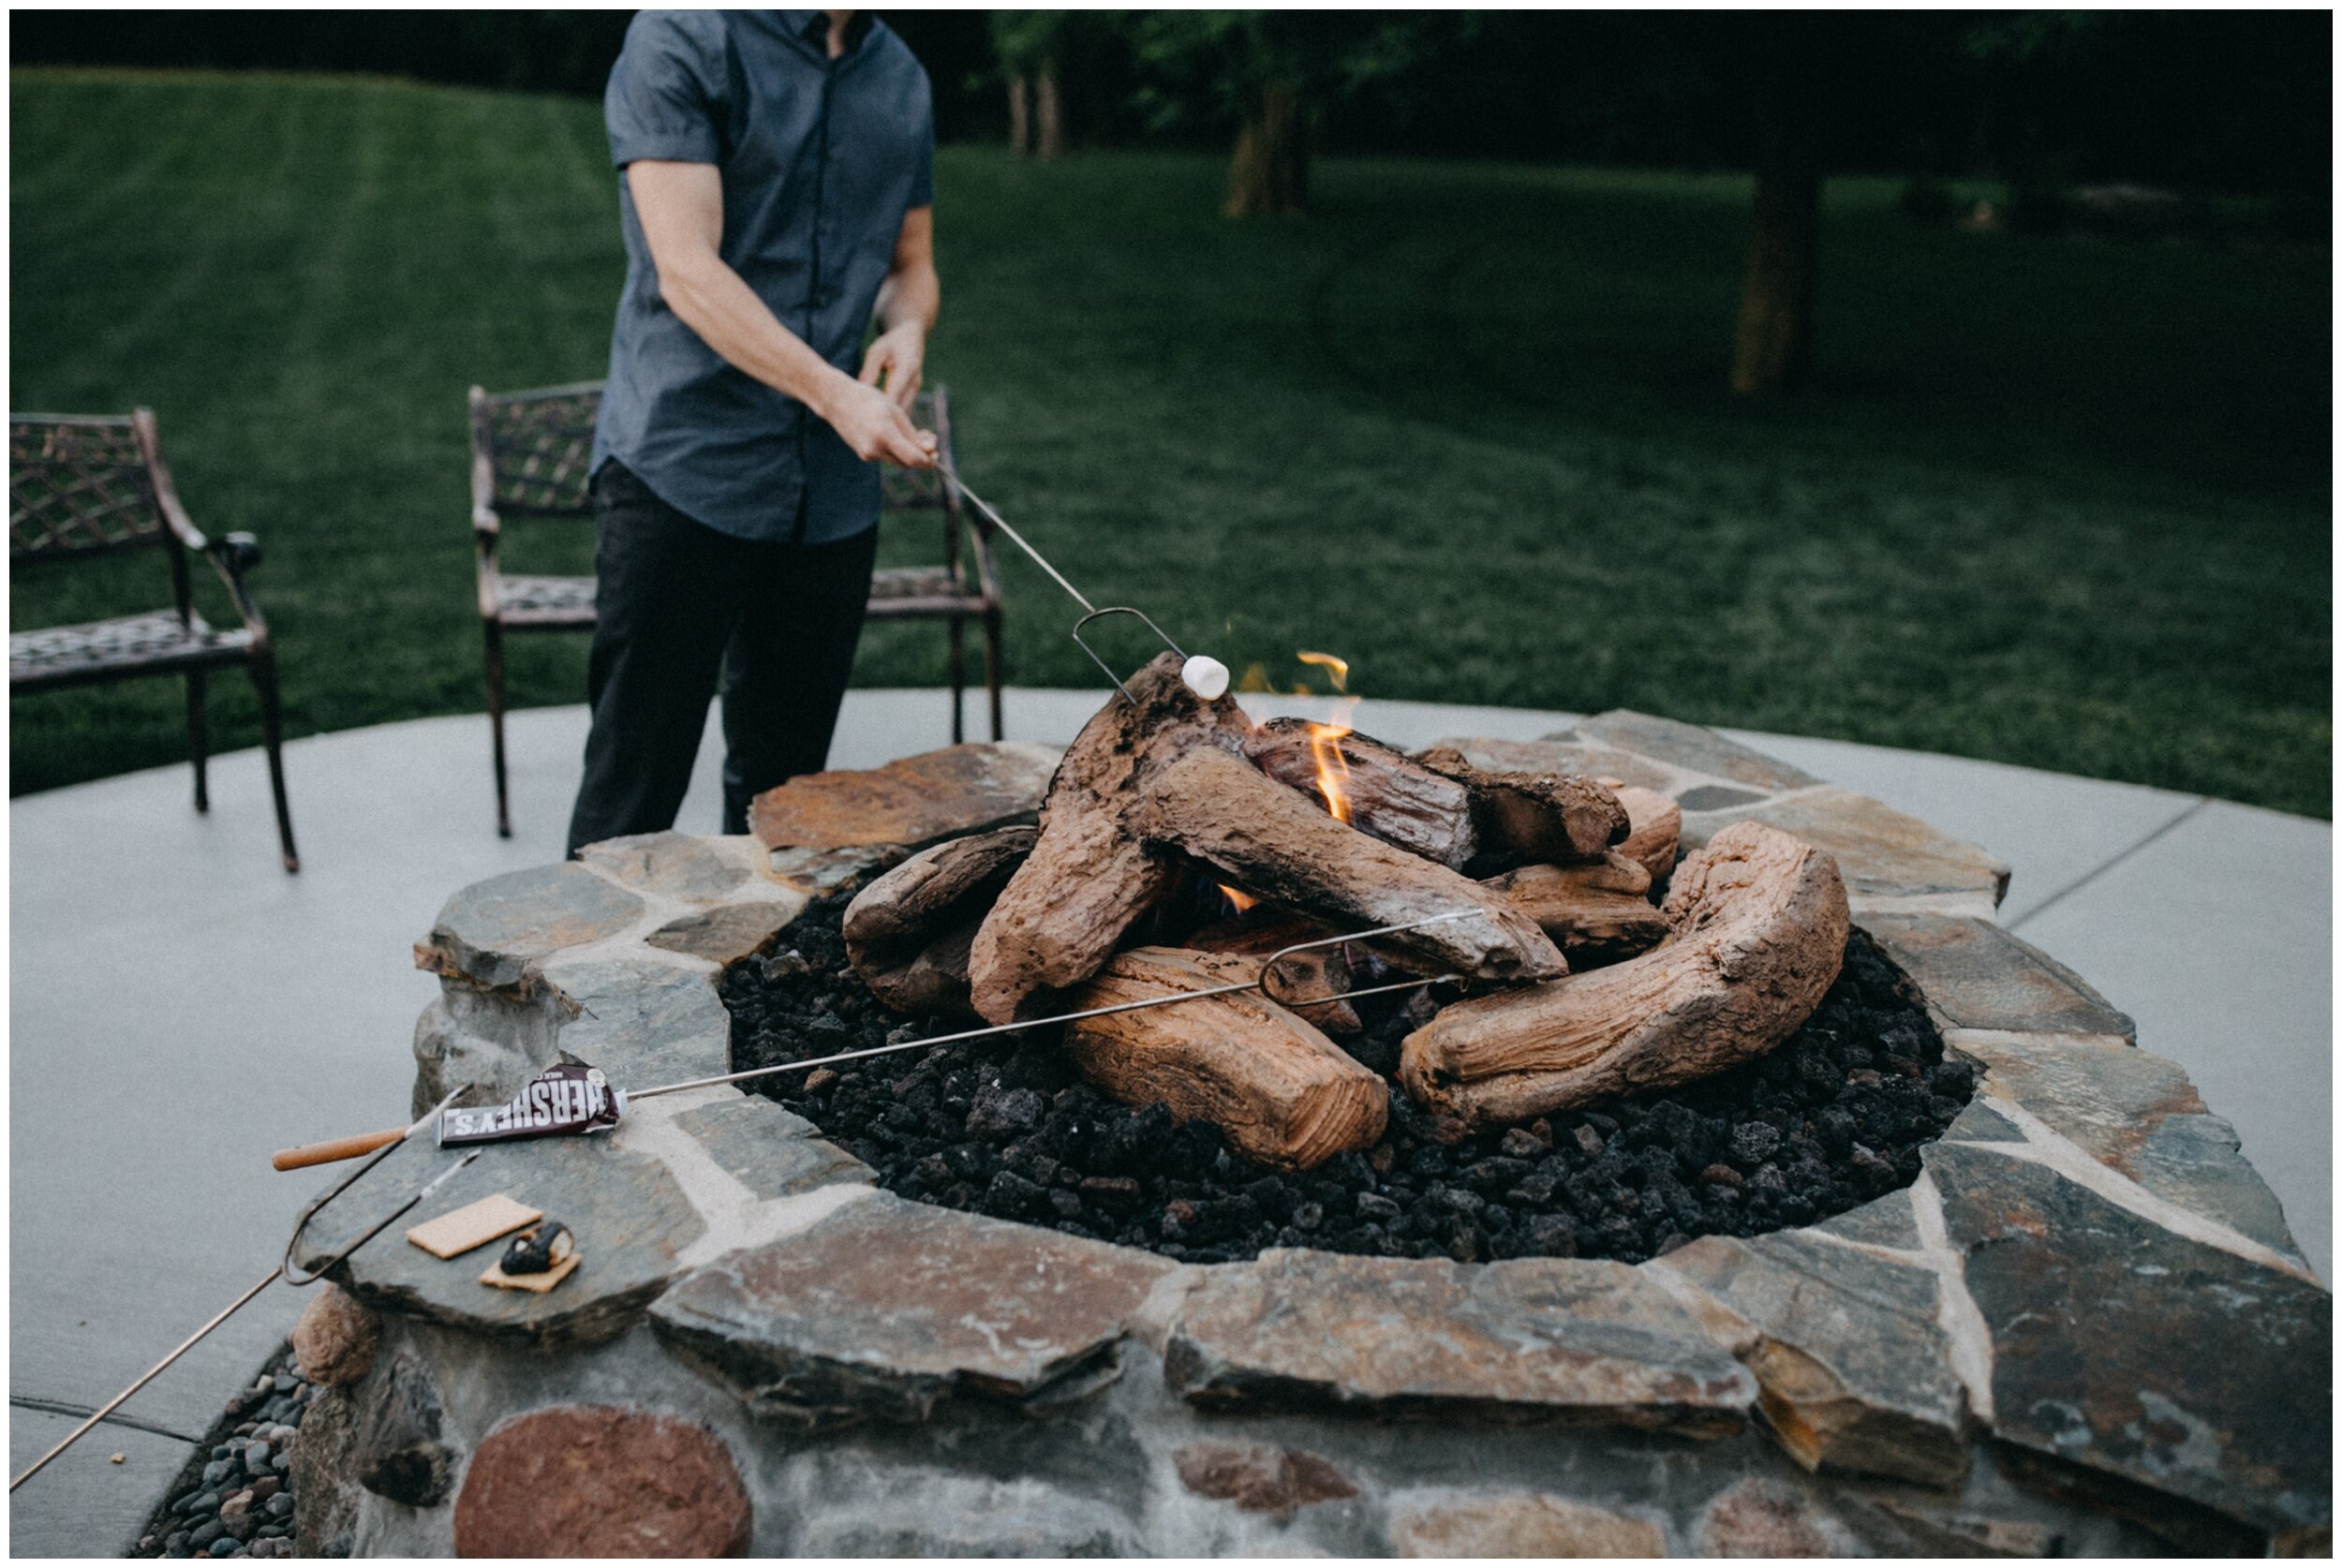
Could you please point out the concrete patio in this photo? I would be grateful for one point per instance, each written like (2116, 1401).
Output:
(182, 1008)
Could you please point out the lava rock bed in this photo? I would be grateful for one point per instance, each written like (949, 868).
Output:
(1833, 1118)
(234, 1497)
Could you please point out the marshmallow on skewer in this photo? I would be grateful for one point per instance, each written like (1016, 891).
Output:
(1205, 676)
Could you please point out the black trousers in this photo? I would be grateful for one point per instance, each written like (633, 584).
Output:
(681, 609)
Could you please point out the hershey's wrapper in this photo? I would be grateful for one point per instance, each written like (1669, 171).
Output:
(568, 1097)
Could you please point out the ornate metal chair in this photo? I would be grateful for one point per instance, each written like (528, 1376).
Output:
(530, 458)
(81, 486)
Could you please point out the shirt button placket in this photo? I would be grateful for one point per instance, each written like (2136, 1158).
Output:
(816, 294)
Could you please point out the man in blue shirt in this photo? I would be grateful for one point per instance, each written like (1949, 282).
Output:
(776, 194)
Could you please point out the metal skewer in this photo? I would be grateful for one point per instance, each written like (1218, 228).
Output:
(1261, 984)
(284, 1270)
(144, 1378)
(1267, 982)
(951, 475)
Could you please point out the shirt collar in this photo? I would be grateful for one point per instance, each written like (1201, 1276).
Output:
(812, 28)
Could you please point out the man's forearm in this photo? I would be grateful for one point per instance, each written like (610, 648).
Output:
(910, 295)
(712, 299)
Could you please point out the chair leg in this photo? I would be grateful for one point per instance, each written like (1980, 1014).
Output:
(959, 683)
(496, 722)
(992, 666)
(273, 736)
(199, 735)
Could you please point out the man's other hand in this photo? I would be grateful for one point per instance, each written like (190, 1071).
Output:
(896, 354)
(875, 425)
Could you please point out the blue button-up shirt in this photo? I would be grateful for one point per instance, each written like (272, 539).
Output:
(821, 160)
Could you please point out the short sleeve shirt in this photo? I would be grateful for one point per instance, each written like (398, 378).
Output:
(820, 158)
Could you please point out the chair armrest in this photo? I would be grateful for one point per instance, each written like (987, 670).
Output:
(175, 516)
(484, 521)
(486, 573)
(232, 557)
(241, 551)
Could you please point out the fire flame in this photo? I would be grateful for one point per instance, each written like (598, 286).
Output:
(1337, 668)
(1333, 768)
(1238, 898)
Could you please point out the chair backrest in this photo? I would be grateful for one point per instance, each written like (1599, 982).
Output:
(532, 453)
(79, 485)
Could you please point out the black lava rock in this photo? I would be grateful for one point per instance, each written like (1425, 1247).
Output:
(1006, 1128)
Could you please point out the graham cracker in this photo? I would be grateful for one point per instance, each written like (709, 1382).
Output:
(472, 1225)
(538, 1283)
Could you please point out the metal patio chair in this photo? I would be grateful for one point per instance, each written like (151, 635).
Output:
(531, 454)
(81, 486)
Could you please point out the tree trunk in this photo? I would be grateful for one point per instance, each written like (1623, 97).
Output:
(1774, 348)
(1019, 115)
(1048, 111)
(1270, 170)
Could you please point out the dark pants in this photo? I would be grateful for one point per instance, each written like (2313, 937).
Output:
(677, 604)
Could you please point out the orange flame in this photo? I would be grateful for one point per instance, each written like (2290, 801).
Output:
(1236, 897)
(1338, 668)
(1333, 768)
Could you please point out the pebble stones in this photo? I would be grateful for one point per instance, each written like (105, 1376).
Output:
(239, 1502)
(1830, 1120)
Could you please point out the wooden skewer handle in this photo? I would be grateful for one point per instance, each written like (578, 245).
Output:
(339, 1148)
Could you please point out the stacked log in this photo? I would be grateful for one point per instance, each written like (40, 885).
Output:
(1595, 912)
(1317, 971)
(1386, 794)
(1551, 819)
(910, 933)
(1169, 790)
(1270, 841)
(1759, 922)
(1089, 877)
(1654, 826)
(1284, 1095)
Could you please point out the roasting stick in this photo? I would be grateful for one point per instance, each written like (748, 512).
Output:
(317, 1154)
(283, 1270)
(1260, 985)
(1203, 674)
(144, 1378)
(381, 1143)
(951, 474)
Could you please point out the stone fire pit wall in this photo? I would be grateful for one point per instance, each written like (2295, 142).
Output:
(2085, 1328)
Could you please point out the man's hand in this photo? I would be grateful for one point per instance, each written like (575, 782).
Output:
(898, 354)
(874, 424)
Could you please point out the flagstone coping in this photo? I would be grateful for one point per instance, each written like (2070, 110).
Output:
(2088, 1271)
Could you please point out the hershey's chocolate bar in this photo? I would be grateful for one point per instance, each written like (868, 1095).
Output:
(568, 1097)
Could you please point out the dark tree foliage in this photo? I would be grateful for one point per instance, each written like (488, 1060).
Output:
(548, 51)
(2210, 100)
(556, 52)
(1270, 74)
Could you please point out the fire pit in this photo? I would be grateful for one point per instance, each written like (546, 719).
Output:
(2061, 1313)
(1011, 1131)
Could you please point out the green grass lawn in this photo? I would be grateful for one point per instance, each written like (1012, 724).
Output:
(2062, 503)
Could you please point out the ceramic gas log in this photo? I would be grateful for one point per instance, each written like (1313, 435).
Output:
(1759, 922)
